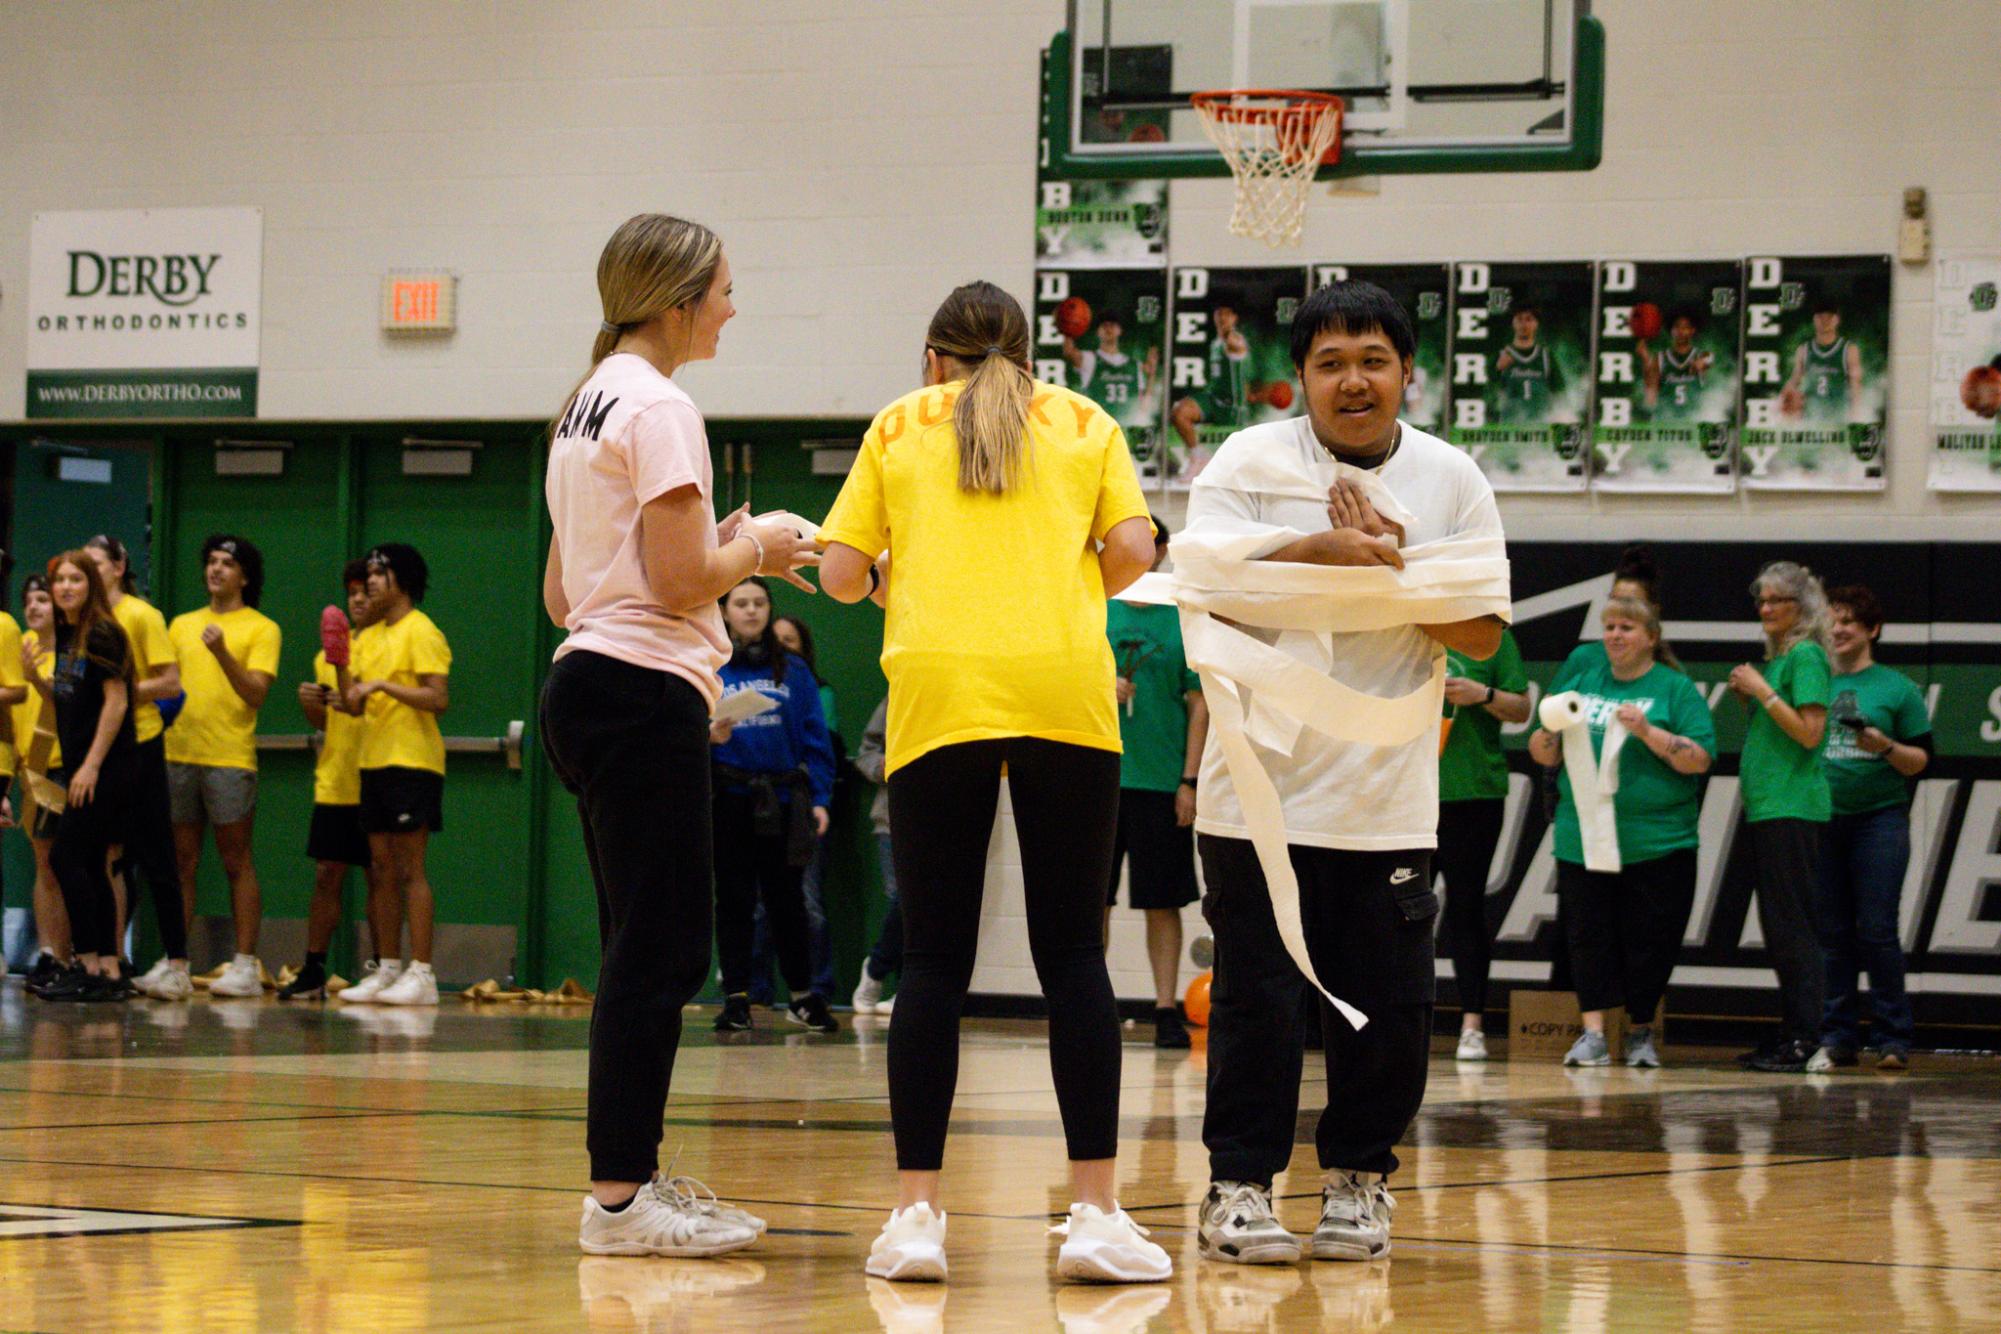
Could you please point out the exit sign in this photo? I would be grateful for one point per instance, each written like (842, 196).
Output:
(419, 301)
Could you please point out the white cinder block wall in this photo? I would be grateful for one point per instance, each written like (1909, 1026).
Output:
(862, 156)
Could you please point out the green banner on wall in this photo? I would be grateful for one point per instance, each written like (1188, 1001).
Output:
(184, 393)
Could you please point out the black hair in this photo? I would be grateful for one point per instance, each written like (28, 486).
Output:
(115, 549)
(1685, 313)
(1526, 308)
(765, 650)
(402, 560)
(1351, 308)
(34, 581)
(354, 572)
(1636, 563)
(1824, 305)
(247, 557)
(805, 641)
(1109, 317)
(1861, 602)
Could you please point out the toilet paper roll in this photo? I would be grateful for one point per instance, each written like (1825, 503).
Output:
(1562, 711)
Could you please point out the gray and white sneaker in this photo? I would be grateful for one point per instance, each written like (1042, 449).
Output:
(1640, 1051)
(1355, 1213)
(1589, 1049)
(665, 1218)
(1237, 1227)
(1472, 1045)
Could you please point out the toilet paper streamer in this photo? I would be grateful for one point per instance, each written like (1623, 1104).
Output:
(1594, 780)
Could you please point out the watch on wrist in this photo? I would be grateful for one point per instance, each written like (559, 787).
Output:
(1490, 696)
(1188, 781)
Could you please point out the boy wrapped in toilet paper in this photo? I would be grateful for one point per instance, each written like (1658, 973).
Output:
(1594, 780)
(1270, 693)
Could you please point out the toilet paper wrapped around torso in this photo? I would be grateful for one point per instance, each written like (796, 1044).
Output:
(1323, 694)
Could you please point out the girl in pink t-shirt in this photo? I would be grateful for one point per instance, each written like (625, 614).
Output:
(636, 564)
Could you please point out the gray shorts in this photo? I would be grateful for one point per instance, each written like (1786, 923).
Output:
(211, 793)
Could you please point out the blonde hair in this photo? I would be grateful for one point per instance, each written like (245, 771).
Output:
(984, 327)
(1648, 616)
(652, 264)
(1797, 582)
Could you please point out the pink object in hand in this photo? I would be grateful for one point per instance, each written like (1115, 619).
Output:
(333, 636)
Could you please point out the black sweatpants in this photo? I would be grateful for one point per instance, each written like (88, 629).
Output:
(84, 838)
(633, 745)
(750, 866)
(1467, 834)
(1368, 918)
(1788, 861)
(1625, 929)
(149, 849)
(941, 807)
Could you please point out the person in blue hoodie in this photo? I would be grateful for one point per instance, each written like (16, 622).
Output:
(774, 779)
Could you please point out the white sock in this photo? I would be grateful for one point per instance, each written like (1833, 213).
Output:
(246, 960)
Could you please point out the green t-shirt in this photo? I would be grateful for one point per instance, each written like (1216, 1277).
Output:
(1888, 701)
(1471, 766)
(1655, 808)
(1782, 779)
(1146, 646)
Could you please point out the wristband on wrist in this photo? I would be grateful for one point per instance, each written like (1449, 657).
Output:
(874, 579)
(757, 547)
(1490, 696)
(1188, 781)
(1767, 700)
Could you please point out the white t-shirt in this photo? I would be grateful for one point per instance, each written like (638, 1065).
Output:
(630, 436)
(1341, 794)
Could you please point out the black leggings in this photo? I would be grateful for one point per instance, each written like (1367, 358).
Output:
(149, 848)
(84, 838)
(1625, 929)
(633, 745)
(750, 866)
(941, 806)
(1467, 834)
(1788, 853)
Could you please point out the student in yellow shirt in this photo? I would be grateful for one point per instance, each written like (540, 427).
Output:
(148, 845)
(228, 653)
(335, 840)
(1007, 511)
(36, 654)
(13, 693)
(400, 674)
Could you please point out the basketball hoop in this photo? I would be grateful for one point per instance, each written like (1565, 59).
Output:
(1274, 140)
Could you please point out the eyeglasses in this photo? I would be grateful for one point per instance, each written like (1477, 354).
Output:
(1773, 602)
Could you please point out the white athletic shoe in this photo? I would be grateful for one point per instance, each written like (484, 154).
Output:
(1472, 1045)
(1355, 1212)
(662, 1219)
(375, 978)
(173, 984)
(694, 1192)
(883, 1007)
(143, 984)
(1100, 1247)
(243, 977)
(1237, 1226)
(417, 986)
(868, 993)
(910, 1248)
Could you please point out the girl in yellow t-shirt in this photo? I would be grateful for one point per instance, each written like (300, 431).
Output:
(1005, 511)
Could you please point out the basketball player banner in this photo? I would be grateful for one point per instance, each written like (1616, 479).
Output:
(1231, 362)
(1669, 344)
(1103, 333)
(1110, 223)
(1941, 629)
(1816, 372)
(1966, 376)
(1424, 291)
(1521, 371)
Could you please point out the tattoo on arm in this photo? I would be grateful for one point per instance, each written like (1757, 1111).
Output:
(1677, 745)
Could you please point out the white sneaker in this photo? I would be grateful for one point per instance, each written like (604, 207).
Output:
(1472, 1045)
(1817, 1064)
(694, 1192)
(1100, 1247)
(173, 983)
(883, 1007)
(661, 1220)
(1236, 1226)
(910, 1248)
(417, 986)
(1355, 1212)
(868, 993)
(375, 978)
(243, 977)
(144, 983)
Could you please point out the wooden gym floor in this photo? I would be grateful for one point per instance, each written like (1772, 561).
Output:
(228, 1166)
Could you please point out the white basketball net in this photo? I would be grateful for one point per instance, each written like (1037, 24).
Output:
(1274, 144)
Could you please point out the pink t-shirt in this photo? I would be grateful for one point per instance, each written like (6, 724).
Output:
(630, 436)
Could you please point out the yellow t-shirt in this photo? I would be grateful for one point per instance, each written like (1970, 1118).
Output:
(146, 630)
(337, 773)
(28, 713)
(216, 727)
(394, 735)
(996, 614)
(10, 675)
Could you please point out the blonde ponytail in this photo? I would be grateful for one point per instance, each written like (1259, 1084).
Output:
(983, 327)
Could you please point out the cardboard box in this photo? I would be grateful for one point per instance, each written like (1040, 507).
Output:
(1543, 1024)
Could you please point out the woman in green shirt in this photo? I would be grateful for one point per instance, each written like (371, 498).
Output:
(1472, 796)
(1786, 802)
(1624, 927)
(1881, 738)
